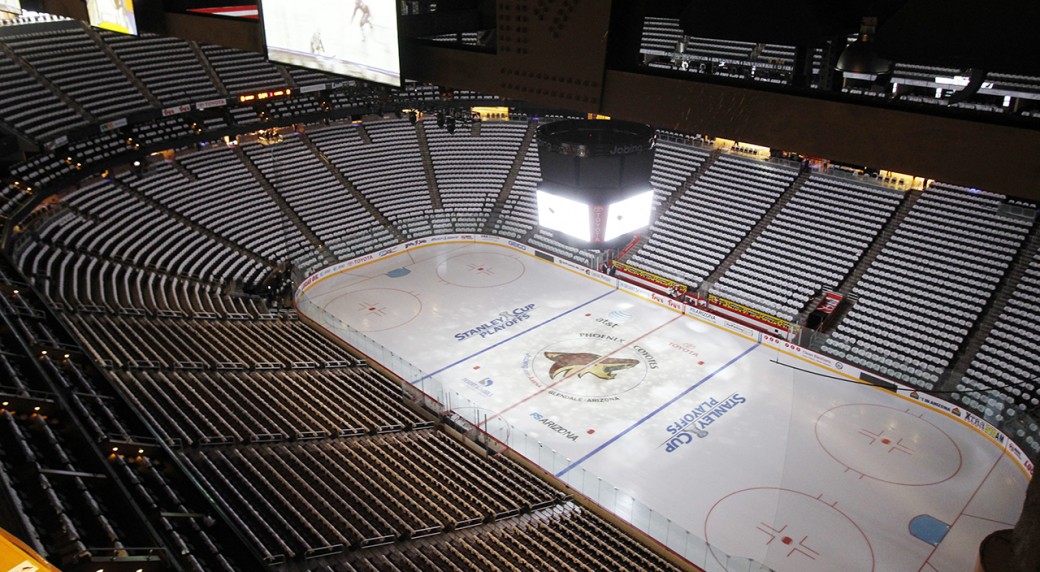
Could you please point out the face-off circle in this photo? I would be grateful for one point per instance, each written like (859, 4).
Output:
(795, 532)
(583, 368)
(375, 309)
(887, 444)
(480, 270)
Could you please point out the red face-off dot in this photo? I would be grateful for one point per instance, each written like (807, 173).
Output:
(476, 367)
(886, 441)
(787, 540)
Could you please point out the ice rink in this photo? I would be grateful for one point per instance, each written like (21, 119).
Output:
(761, 452)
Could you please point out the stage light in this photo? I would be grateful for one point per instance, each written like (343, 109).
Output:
(860, 56)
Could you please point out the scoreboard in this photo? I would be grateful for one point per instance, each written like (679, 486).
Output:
(356, 38)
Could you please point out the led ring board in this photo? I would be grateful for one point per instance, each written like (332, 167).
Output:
(113, 15)
(356, 38)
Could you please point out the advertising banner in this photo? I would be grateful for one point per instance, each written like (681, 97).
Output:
(650, 277)
(749, 312)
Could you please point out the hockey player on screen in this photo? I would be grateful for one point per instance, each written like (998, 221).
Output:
(317, 45)
(366, 16)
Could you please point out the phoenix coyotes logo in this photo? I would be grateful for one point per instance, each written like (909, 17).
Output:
(566, 363)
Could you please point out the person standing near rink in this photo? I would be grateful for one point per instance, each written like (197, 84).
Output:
(675, 291)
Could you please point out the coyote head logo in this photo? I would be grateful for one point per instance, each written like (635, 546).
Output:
(565, 363)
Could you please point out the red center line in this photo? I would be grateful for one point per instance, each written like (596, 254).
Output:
(935, 548)
(579, 372)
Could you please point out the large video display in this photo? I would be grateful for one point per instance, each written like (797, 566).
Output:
(12, 6)
(356, 38)
(115, 15)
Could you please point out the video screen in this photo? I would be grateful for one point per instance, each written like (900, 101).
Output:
(563, 214)
(629, 215)
(12, 6)
(356, 38)
(114, 15)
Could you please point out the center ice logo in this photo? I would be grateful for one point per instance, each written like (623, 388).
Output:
(588, 367)
(566, 363)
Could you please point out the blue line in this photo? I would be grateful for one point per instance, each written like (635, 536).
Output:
(514, 336)
(658, 410)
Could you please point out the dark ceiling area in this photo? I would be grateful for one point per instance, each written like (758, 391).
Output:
(789, 22)
(584, 55)
(996, 37)
(956, 33)
(963, 34)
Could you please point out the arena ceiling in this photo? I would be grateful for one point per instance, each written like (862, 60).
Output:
(583, 55)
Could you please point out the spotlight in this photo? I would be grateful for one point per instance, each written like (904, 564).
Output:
(860, 56)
